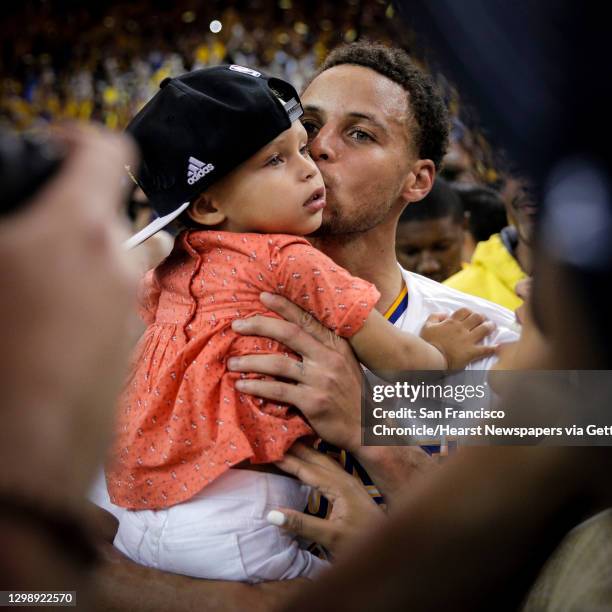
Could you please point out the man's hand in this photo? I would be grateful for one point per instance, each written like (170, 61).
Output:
(354, 512)
(325, 385)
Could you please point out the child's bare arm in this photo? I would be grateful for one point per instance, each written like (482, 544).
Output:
(446, 343)
(381, 347)
(459, 336)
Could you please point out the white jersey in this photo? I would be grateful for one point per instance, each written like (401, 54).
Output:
(426, 297)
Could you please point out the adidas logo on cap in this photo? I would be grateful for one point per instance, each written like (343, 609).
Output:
(197, 170)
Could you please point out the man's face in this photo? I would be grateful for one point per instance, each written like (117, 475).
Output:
(430, 247)
(357, 121)
(520, 208)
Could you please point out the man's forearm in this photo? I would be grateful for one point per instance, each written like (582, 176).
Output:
(122, 585)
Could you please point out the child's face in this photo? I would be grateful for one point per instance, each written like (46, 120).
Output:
(278, 190)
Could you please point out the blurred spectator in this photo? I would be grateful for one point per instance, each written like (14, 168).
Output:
(503, 260)
(430, 233)
(485, 212)
(469, 158)
(459, 162)
(68, 320)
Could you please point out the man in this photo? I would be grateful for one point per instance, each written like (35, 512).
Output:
(377, 132)
(431, 234)
(504, 260)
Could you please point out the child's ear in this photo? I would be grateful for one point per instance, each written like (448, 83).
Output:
(205, 211)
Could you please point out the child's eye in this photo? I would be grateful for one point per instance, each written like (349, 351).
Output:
(305, 150)
(274, 161)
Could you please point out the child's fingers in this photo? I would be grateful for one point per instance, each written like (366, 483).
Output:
(473, 320)
(482, 350)
(461, 314)
(480, 332)
(436, 317)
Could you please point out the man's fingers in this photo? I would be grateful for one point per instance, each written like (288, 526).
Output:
(272, 390)
(282, 331)
(291, 312)
(310, 527)
(273, 365)
(312, 474)
(310, 455)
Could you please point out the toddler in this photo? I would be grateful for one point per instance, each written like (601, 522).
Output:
(223, 147)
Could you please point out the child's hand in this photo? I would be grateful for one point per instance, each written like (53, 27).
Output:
(458, 336)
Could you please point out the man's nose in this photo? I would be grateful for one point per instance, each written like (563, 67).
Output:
(428, 264)
(322, 146)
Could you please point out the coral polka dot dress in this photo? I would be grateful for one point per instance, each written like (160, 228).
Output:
(181, 423)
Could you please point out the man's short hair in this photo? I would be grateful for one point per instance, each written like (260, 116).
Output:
(441, 202)
(431, 119)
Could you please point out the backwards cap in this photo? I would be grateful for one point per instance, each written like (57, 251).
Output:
(199, 127)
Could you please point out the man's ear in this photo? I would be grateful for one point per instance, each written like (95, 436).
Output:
(419, 181)
(206, 211)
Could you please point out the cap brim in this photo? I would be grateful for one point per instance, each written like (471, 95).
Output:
(153, 227)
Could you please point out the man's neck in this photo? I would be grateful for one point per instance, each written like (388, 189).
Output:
(523, 256)
(368, 255)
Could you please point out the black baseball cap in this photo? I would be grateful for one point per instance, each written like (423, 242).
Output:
(199, 127)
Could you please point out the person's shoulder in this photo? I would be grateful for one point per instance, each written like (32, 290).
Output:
(441, 296)
(283, 246)
(286, 240)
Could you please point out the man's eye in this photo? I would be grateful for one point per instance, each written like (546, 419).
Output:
(274, 161)
(310, 127)
(360, 135)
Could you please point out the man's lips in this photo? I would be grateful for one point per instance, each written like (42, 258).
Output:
(316, 201)
(528, 209)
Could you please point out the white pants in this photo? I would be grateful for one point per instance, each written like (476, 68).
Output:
(222, 533)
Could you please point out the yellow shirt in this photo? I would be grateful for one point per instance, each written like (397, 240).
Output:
(492, 274)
